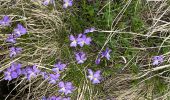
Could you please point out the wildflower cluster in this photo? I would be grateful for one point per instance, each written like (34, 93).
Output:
(30, 72)
(13, 71)
(66, 3)
(55, 98)
(17, 32)
(81, 40)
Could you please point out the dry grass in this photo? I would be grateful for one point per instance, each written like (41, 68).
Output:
(41, 45)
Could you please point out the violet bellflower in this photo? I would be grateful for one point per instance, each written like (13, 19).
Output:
(68, 98)
(67, 3)
(47, 2)
(73, 40)
(157, 60)
(54, 78)
(11, 38)
(106, 54)
(16, 67)
(44, 75)
(14, 51)
(95, 77)
(5, 21)
(89, 30)
(59, 67)
(12, 72)
(66, 87)
(97, 61)
(80, 57)
(43, 98)
(19, 30)
(83, 40)
(55, 98)
(31, 72)
(9, 75)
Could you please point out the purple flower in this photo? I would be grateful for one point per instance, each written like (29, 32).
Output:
(5, 21)
(47, 2)
(31, 72)
(44, 98)
(16, 67)
(74, 41)
(106, 53)
(157, 60)
(65, 88)
(59, 67)
(13, 71)
(8, 75)
(59, 98)
(68, 98)
(20, 30)
(14, 51)
(44, 75)
(67, 3)
(95, 77)
(80, 57)
(52, 98)
(97, 61)
(11, 38)
(83, 40)
(54, 78)
(89, 30)
(55, 98)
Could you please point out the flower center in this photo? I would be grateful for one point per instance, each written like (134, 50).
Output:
(95, 78)
(91, 76)
(63, 89)
(74, 41)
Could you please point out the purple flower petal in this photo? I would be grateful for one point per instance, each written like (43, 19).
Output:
(54, 78)
(157, 60)
(67, 3)
(106, 54)
(95, 77)
(83, 40)
(89, 30)
(11, 39)
(74, 41)
(65, 88)
(19, 30)
(14, 51)
(98, 61)
(80, 57)
(5, 21)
